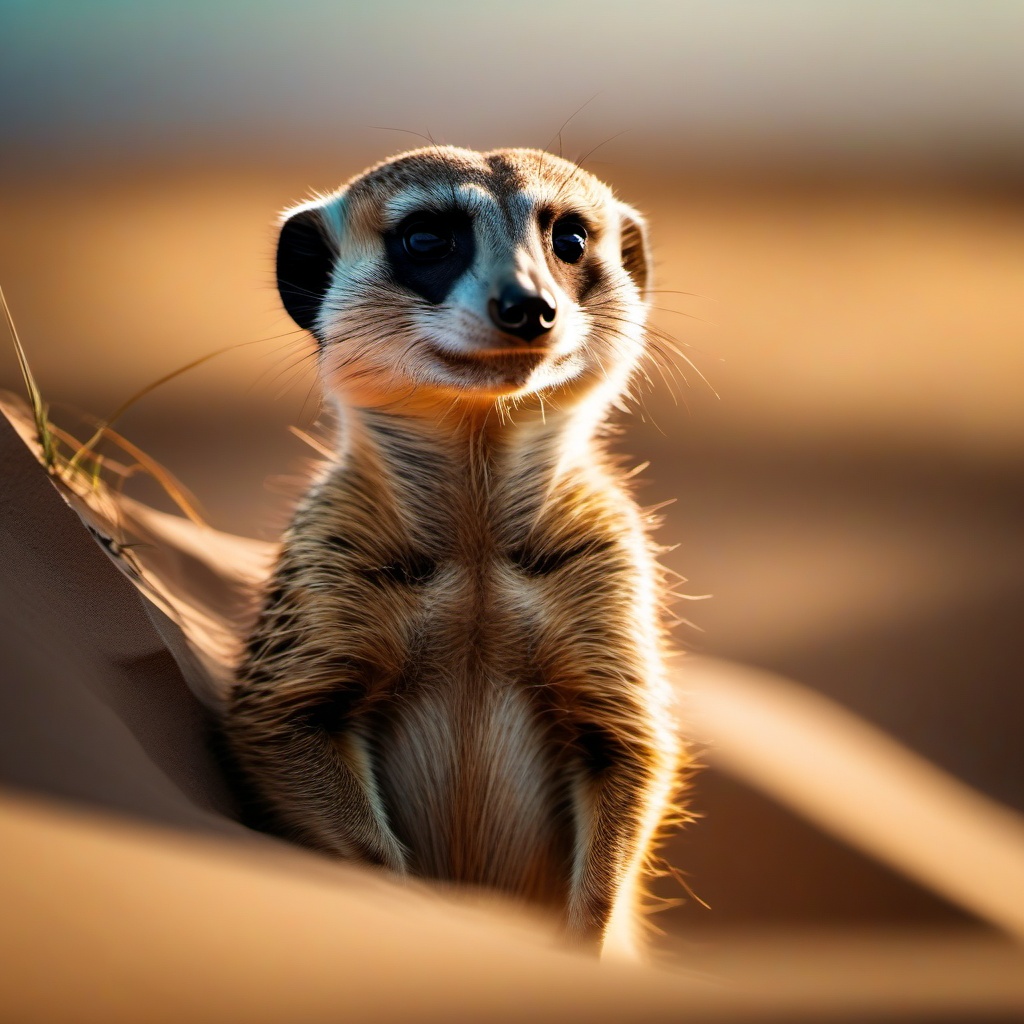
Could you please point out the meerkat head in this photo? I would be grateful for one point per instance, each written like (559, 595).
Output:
(461, 276)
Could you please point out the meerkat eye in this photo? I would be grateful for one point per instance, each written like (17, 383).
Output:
(569, 239)
(428, 238)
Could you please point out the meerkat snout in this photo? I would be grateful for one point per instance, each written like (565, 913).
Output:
(525, 310)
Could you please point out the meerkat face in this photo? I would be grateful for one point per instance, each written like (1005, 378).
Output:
(450, 274)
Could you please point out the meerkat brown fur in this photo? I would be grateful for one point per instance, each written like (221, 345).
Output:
(457, 671)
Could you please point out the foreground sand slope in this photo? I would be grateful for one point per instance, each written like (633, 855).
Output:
(124, 916)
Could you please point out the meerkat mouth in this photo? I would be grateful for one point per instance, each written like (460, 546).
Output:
(513, 350)
(518, 355)
(487, 368)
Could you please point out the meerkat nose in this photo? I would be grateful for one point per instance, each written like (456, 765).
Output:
(523, 312)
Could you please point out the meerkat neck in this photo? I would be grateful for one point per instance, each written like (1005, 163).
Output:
(485, 459)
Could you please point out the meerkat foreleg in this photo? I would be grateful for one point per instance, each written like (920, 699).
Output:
(611, 845)
(625, 780)
(317, 782)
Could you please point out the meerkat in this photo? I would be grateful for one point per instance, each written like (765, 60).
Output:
(457, 670)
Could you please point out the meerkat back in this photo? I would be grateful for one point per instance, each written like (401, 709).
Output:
(457, 671)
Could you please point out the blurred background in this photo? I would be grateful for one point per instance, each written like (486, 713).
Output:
(836, 204)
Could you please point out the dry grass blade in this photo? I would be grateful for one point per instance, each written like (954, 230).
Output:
(65, 470)
(39, 410)
(139, 395)
(176, 490)
(99, 462)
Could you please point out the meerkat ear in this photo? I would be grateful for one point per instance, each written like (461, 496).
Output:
(636, 253)
(305, 260)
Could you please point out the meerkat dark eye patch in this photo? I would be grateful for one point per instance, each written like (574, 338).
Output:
(428, 240)
(305, 262)
(569, 240)
(577, 269)
(428, 252)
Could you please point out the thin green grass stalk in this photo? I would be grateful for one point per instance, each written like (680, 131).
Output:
(97, 470)
(40, 412)
(50, 436)
(72, 442)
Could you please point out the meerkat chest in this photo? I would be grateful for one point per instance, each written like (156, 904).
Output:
(486, 607)
(475, 624)
(471, 771)
(470, 788)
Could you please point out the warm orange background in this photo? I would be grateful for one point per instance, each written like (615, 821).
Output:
(835, 208)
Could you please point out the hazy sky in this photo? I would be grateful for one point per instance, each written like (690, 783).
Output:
(826, 75)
